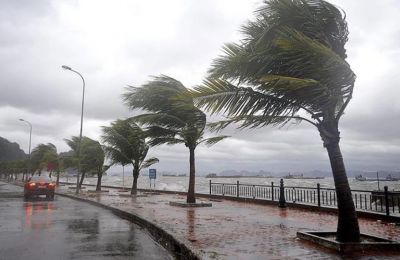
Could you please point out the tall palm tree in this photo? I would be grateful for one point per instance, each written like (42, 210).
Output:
(125, 143)
(91, 157)
(171, 118)
(290, 65)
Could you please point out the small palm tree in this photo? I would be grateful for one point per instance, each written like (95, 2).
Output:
(290, 66)
(42, 155)
(91, 157)
(101, 170)
(125, 143)
(172, 118)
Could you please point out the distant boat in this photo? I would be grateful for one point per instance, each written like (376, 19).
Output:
(390, 178)
(300, 177)
(291, 176)
(360, 178)
(174, 175)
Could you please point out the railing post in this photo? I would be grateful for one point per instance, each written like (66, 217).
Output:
(237, 189)
(282, 201)
(223, 190)
(272, 190)
(387, 201)
(319, 194)
(210, 187)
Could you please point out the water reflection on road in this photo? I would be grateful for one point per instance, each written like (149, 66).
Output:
(40, 212)
(67, 229)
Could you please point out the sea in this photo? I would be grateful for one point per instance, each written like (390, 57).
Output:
(180, 183)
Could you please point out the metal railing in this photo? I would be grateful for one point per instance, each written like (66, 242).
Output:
(384, 201)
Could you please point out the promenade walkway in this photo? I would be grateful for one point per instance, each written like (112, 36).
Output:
(237, 230)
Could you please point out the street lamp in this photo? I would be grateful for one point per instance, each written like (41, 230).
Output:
(80, 133)
(30, 139)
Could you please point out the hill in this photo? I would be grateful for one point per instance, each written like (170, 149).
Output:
(10, 151)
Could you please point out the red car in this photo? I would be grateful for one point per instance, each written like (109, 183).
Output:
(39, 185)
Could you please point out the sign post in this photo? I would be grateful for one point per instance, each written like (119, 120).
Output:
(123, 177)
(153, 176)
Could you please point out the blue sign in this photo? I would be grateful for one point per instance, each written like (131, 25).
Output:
(152, 173)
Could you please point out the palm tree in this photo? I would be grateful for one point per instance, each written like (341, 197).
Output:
(42, 155)
(91, 157)
(101, 170)
(172, 118)
(290, 65)
(125, 143)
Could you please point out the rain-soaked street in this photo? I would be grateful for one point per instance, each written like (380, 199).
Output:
(68, 229)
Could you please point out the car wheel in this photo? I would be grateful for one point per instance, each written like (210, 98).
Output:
(26, 197)
(50, 197)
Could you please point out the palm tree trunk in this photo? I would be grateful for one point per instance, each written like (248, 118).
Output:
(81, 180)
(99, 176)
(58, 178)
(135, 178)
(347, 228)
(191, 198)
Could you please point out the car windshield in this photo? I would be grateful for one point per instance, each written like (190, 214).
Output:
(40, 179)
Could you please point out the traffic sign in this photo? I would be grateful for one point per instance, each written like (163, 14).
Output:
(152, 173)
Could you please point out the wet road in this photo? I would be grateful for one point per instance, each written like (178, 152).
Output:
(68, 229)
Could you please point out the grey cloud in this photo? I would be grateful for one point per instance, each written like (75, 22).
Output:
(40, 36)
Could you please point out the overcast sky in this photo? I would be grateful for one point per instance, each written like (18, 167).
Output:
(115, 43)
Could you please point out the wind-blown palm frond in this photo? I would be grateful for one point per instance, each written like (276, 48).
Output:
(165, 140)
(116, 156)
(159, 119)
(221, 96)
(252, 121)
(173, 117)
(91, 153)
(43, 155)
(292, 58)
(213, 140)
(156, 95)
(149, 162)
(125, 142)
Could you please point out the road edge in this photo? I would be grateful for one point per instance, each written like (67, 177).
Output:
(179, 249)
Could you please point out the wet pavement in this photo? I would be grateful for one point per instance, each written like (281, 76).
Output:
(237, 230)
(68, 229)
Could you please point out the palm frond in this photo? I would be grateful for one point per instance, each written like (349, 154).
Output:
(149, 162)
(253, 121)
(221, 96)
(292, 57)
(165, 140)
(125, 142)
(170, 114)
(160, 119)
(213, 140)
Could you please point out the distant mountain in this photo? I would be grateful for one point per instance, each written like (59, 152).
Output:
(10, 151)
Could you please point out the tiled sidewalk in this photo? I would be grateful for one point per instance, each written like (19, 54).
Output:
(236, 230)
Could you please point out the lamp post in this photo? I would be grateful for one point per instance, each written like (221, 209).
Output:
(80, 133)
(30, 139)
